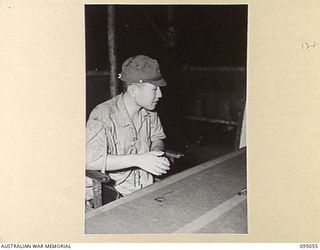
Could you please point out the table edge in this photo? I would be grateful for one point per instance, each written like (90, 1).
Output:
(169, 180)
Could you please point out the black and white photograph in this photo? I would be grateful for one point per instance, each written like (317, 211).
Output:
(142, 124)
(165, 128)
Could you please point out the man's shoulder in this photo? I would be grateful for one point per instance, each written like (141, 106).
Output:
(105, 108)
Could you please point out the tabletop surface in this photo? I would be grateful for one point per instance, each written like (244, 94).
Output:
(203, 199)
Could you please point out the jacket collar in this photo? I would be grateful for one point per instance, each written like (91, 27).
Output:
(124, 116)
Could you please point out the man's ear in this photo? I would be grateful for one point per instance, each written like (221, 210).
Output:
(132, 90)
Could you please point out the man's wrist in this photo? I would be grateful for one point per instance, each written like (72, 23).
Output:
(136, 159)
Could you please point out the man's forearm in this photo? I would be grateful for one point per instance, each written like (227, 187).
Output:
(113, 162)
(118, 162)
(153, 162)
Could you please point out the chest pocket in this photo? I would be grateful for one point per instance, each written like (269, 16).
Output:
(144, 136)
(138, 140)
(113, 145)
(127, 139)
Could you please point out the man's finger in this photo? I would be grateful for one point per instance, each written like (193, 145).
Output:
(162, 165)
(155, 170)
(163, 161)
(157, 153)
(160, 168)
(156, 173)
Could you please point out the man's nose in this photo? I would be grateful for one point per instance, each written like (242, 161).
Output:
(159, 93)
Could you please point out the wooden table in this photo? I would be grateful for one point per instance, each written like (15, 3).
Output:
(204, 199)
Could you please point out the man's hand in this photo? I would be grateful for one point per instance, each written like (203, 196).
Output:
(153, 162)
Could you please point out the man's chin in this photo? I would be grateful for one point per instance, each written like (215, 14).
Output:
(151, 107)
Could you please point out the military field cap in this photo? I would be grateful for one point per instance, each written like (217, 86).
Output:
(141, 69)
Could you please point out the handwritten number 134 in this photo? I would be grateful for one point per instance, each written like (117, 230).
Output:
(308, 45)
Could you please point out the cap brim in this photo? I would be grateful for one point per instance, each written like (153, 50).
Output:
(160, 83)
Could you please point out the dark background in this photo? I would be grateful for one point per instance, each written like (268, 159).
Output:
(209, 35)
(205, 68)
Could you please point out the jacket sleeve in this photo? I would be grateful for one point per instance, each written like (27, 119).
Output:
(96, 143)
(157, 132)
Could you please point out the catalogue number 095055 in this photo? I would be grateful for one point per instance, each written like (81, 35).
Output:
(308, 246)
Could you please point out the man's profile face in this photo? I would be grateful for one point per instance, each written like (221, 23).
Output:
(148, 95)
